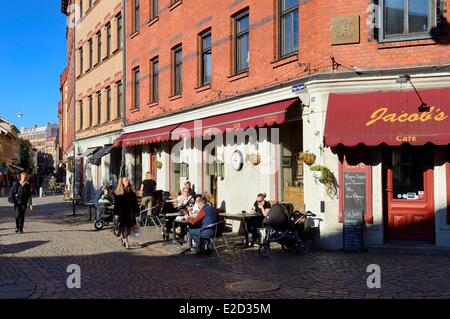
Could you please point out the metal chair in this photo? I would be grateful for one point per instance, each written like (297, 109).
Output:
(146, 216)
(218, 234)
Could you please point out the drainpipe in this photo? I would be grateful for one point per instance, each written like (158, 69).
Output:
(124, 79)
(74, 57)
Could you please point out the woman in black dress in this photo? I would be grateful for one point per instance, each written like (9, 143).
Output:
(126, 207)
(21, 198)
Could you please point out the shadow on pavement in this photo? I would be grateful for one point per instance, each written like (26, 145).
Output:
(20, 247)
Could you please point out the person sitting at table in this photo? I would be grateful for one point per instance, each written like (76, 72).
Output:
(262, 208)
(184, 198)
(207, 215)
(189, 186)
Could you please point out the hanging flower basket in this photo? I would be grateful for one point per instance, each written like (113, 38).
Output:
(255, 159)
(158, 164)
(308, 158)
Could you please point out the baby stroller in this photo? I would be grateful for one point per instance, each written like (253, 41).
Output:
(284, 226)
(106, 216)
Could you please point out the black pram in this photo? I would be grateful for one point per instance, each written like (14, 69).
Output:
(284, 226)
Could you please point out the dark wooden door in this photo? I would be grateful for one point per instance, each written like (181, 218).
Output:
(409, 193)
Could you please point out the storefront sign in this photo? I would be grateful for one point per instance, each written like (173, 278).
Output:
(355, 191)
(383, 114)
(353, 231)
(393, 118)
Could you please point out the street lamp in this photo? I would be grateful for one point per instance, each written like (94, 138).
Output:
(405, 78)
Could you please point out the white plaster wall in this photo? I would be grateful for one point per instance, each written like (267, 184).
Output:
(440, 200)
(374, 234)
(129, 160)
(162, 175)
(238, 189)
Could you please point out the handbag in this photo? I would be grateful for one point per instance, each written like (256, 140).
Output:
(12, 196)
(135, 231)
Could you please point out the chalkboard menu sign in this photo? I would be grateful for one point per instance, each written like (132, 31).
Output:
(353, 231)
(354, 210)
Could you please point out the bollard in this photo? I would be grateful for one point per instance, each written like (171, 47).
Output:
(41, 192)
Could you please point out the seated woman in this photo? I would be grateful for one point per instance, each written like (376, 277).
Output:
(184, 198)
(261, 207)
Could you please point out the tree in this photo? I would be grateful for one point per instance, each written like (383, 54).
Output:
(26, 155)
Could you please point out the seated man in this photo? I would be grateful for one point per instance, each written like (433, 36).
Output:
(206, 216)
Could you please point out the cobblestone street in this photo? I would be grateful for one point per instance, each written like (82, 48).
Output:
(33, 265)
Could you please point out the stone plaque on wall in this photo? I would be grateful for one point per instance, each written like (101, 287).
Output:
(345, 30)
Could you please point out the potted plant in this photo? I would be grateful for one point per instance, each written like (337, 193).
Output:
(307, 157)
(323, 175)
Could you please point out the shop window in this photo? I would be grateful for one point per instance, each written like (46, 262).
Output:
(408, 178)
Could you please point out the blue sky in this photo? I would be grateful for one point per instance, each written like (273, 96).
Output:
(32, 57)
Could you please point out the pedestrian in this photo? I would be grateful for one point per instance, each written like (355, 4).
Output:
(20, 196)
(52, 185)
(148, 188)
(126, 208)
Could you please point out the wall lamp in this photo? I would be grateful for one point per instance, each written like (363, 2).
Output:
(405, 78)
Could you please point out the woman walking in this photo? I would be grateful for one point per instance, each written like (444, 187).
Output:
(21, 198)
(126, 207)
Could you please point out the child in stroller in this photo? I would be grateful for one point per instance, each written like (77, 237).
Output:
(284, 226)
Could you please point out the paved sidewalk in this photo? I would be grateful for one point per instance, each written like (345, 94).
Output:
(33, 265)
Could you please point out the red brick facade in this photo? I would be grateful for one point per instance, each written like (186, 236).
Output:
(182, 22)
(66, 107)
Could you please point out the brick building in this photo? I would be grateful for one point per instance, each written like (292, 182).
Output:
(9, 143)
(45, 140)
(363, 85)
(98, 89)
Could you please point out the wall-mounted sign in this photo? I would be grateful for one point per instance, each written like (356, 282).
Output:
(298, 88)
(345, 30)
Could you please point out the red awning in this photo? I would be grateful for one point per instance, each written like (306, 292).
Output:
(388, 117)
(266, 115)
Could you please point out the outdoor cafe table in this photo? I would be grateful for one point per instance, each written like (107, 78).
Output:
(244, 219)
(171, 217)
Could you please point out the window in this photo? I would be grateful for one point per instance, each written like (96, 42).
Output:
(81, 61)
(177, 54)
(99, 46)
(137, 9)
(154, 9)
(90, 3)
(407, 18)
(154, 94)
(81, 115)
(288, 28)
(90, 110)
(241, 42)
(81, 8)
(99, 107)
(91, 54)
(108, 40)
(119, 30)
(205, 58)
(119, 99)
(136, 88)
(108, 104)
